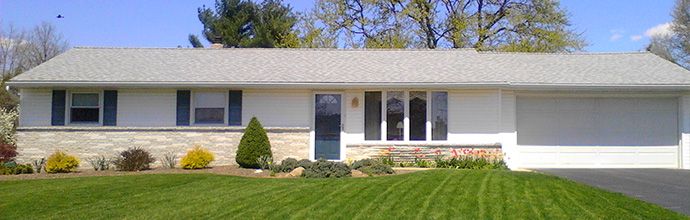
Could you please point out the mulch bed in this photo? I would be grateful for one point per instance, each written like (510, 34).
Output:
(219, 170)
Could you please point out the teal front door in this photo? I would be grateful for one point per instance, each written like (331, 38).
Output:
(327, 110)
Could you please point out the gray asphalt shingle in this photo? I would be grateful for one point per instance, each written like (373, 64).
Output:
(267, 66)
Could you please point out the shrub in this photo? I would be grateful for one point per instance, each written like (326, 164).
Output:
(265, 162)
(372, 167)
(197, 158)
(469, 162)
(133, 159)
(39, 164)
(286, 165)
(327, 169)
(169, 160)
(24, 168)
(11, 168)
(100, 163)
(8, 119)
(306, 164)
(253, 145)
(7, 152)
(60, 162)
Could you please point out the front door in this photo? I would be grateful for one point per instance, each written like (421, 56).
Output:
(327, 108)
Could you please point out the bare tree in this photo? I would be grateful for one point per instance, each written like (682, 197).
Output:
(45, 42)
(12, 50)
(662, 46)
(681, 30)
(22, 50)
(675, 45)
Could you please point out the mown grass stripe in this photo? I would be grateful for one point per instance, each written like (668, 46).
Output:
(379, 197)
(432, 196)
(435, 194)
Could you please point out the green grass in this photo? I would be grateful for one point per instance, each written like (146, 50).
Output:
(430, 194)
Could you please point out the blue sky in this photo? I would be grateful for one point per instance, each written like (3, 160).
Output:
(607, 25)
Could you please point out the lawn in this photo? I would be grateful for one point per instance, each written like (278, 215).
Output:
(442, 194)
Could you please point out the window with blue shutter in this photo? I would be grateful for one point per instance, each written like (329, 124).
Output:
(183, 107)
(57, 116)
(109, 107)
(235, 108)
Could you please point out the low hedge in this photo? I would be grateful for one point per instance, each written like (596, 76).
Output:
(11, 168)
(372, 167)
(327, 169)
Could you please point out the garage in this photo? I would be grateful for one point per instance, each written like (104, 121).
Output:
(597, 132)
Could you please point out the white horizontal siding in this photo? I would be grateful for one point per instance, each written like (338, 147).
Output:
(288, 108)
(473, 116)
(35, 107)
(146, 108)
(354, 117)
(508, 130)
(685, 131)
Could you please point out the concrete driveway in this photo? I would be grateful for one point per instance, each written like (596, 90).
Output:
(666, 187)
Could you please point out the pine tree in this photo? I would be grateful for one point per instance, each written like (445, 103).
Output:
(253, 145)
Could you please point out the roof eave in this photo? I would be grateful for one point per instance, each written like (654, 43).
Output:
(355, 85)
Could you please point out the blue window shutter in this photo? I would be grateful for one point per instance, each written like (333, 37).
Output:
(109, 107)
(183, 104)
(235, 108)
(57, 116)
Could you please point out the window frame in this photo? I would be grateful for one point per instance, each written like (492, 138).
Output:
(430, 124)
(406, 118)
(381, 113)
(69, 107)
(193, 102)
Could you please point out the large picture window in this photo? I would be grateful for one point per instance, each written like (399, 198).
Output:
(427, 115)
(395, 113)
(418, 115)
(85, 108)
(372, 116)
(439, 116)
(209, 108)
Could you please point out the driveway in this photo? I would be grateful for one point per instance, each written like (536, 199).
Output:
(666, 187)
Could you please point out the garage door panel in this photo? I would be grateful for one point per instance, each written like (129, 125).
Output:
(597, 132)
(616, 158)
(577, 158)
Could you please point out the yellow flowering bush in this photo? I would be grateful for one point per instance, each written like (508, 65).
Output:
(60, 162)
(196, 158)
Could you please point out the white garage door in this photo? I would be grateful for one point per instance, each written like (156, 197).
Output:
(597, 132)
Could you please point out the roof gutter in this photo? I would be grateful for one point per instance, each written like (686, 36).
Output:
(354, 85)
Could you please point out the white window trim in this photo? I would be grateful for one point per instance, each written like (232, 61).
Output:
(192, 106)
(406, 119)
(68, 108)
(430, 126)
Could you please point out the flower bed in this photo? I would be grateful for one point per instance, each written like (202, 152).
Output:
(458, 158)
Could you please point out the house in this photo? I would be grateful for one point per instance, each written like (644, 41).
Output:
(596, 110)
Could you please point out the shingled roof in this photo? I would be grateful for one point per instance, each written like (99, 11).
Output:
(339, 67)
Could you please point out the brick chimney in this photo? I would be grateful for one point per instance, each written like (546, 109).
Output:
(216, 46)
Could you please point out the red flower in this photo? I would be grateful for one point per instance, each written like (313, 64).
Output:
(391, 148)
(454, 152)
(417, 150)
(437, 151)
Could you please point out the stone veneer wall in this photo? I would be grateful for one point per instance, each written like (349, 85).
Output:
(407, 152)
(88, 142)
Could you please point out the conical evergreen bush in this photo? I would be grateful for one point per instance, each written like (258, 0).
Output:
(254, 144)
